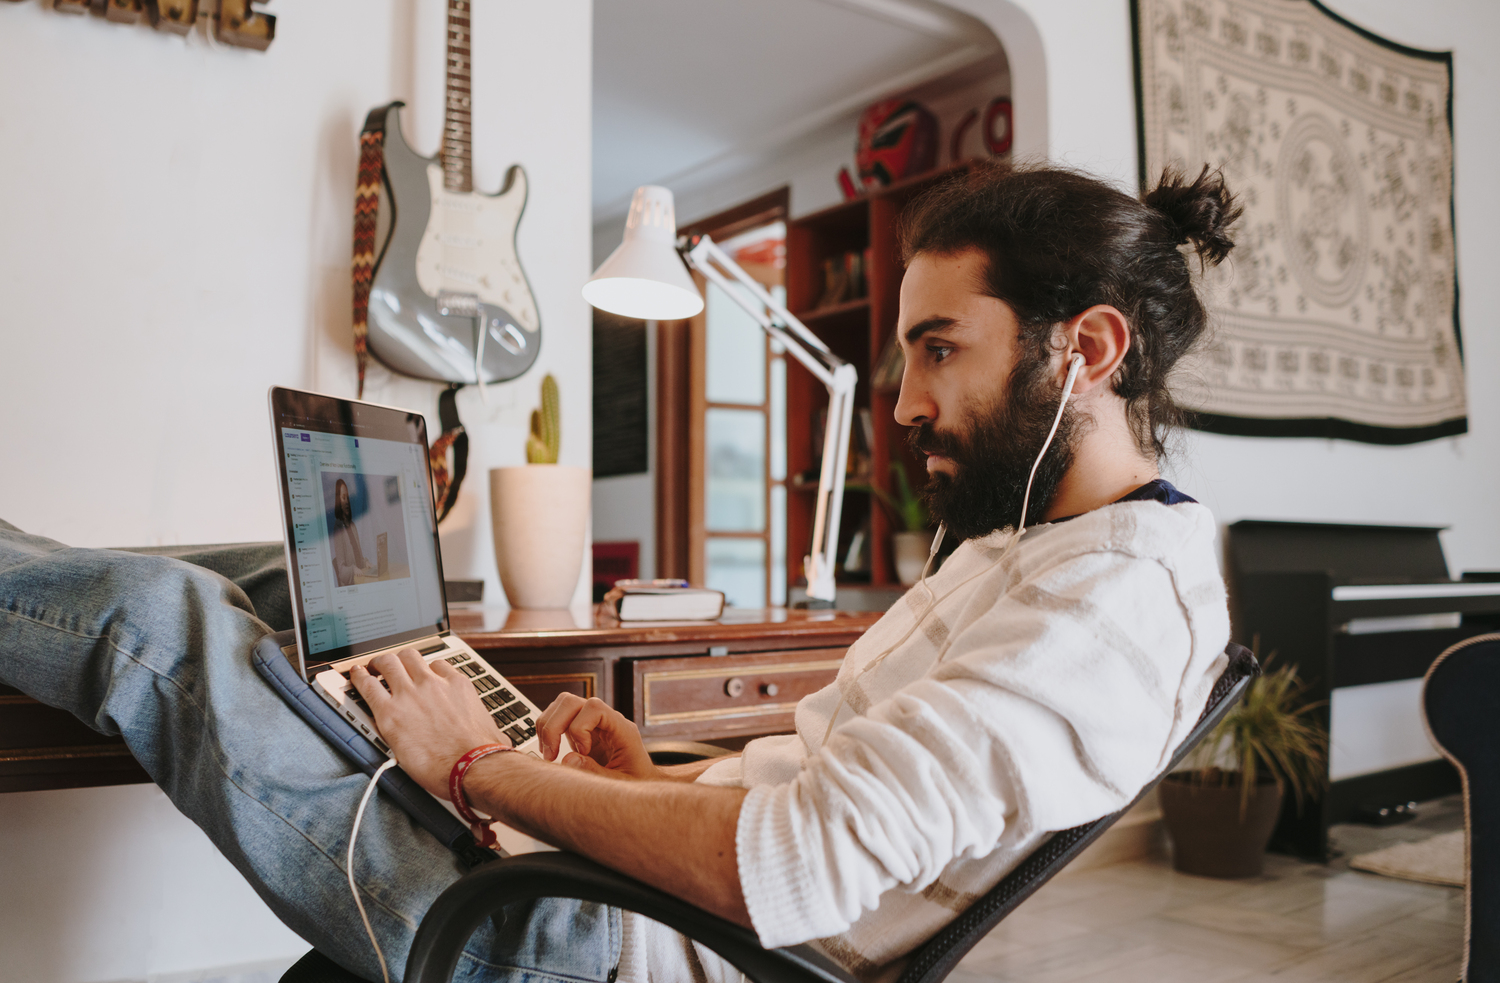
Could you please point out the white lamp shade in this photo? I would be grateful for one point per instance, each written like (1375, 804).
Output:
(644, 277)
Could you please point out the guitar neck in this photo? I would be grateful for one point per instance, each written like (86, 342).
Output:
(458, 130)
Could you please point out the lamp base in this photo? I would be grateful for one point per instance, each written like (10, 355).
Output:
(811, 604)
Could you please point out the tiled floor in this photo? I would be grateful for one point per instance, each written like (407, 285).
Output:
(1142, 922)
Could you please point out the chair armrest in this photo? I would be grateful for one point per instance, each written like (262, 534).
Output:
(664, 752)
(481, 892)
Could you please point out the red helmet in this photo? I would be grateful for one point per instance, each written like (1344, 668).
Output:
(897, 139)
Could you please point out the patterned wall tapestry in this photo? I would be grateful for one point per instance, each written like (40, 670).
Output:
(1337, 314)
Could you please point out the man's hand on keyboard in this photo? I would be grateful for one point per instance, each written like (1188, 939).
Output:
(430, 717)
(604, 741)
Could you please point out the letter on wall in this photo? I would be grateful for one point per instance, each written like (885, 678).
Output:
(236, 22)
(240, 24)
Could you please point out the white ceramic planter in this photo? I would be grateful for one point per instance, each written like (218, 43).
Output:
(539, 514)
(911, 554)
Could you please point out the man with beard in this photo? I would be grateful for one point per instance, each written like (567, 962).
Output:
(1037, 681)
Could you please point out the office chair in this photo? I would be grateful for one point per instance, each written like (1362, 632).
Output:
(482, 892)
(1461, 703)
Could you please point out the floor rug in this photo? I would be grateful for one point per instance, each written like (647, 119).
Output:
(1436, 860)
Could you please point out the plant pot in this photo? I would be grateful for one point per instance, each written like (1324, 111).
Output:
(539, 514)
(1209, 836)
(911, 549)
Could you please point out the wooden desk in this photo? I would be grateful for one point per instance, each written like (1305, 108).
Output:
(725, 680)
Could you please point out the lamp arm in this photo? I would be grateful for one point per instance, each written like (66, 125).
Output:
(705, 256)
(821, 563)
(708, 258)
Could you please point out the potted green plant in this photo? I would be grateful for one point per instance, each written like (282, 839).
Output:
(539, 515)
(1220, 814)
(913, 540)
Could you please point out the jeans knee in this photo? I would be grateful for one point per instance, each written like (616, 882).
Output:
(130, 602)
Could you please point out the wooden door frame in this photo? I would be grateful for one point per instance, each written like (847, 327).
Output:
(680, 403)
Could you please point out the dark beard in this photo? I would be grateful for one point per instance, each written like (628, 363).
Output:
(994, 455)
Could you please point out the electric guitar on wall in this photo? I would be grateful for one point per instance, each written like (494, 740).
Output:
(443, 295)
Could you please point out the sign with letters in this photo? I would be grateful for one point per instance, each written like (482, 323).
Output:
(233, 22)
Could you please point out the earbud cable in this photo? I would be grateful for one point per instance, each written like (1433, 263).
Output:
(1076, 362)
(359, 815)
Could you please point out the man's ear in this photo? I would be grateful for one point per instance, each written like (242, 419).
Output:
(1102, 336)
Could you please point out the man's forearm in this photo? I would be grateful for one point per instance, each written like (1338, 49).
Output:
(676, 836)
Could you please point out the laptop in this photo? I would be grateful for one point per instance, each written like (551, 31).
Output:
(345, 469)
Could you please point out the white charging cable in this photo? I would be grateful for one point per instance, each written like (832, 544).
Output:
(1075, 364)
(359, 815)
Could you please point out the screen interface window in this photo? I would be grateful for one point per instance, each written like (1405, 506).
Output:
(362, 527)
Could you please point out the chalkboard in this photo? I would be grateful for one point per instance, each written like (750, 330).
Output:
(620, 396)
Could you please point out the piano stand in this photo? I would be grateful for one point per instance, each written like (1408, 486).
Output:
(1351, 607)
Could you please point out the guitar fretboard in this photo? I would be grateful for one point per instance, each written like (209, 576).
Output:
(458, 132)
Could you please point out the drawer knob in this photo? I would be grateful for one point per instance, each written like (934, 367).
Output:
(734, 687)
(769, 689)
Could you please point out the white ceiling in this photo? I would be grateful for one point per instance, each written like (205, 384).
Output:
(680, 85)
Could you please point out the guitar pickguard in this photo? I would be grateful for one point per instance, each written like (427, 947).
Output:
(469, 246)
(439, 243)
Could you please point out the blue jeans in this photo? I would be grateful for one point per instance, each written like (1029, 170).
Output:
(158, 650)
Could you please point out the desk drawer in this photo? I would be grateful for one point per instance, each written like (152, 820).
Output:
(707, 697)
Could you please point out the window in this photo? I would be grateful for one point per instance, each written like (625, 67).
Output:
(744, 434)
(721, 430)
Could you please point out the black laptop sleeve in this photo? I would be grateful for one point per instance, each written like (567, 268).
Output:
(284, 677)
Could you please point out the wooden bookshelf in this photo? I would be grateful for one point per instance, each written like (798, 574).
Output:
(856, 329)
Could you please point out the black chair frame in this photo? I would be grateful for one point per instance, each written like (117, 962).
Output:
(1461, 706)
(481, 893)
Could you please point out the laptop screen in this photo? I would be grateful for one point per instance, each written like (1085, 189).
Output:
(362, 545)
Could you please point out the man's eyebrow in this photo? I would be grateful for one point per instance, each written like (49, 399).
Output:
(922, 327)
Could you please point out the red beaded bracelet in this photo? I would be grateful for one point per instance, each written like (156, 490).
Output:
(482, 831)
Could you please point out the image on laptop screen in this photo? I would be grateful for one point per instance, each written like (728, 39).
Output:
(362, 540)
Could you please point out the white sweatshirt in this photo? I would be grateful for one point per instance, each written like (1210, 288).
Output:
(1043, 689)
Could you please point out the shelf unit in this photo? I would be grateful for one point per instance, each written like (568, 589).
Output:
(857, 331)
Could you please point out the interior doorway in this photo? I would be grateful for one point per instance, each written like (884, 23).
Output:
(731, 465)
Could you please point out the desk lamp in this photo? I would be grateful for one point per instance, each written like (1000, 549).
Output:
(644, 278)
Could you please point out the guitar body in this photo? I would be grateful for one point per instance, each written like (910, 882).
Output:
(448, 264)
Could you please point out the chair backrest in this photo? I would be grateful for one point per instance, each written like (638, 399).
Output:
(941, 953)
(1461, 704)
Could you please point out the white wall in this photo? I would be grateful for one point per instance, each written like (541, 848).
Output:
(1084, 62)
(175, 223)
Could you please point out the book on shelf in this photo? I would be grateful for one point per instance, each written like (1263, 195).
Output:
(892, 364)
(844, 278)
(663, 600)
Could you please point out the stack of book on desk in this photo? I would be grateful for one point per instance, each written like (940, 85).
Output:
(663, 600)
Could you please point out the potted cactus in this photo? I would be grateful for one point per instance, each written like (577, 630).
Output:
(540, 514)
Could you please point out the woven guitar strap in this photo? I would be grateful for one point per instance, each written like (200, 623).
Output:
(445, 484)
(445, 481)
(366, 214)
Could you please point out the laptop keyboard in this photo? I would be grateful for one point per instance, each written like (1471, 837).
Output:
(512, 715)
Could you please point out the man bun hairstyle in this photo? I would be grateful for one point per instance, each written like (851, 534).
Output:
(1201, 212)
(1059, 242)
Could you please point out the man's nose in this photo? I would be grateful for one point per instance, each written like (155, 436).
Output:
(914, 406)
